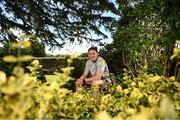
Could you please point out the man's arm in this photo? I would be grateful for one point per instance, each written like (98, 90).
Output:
(97, 76)
(85, 74)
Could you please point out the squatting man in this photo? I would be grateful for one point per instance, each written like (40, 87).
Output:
(96, 72)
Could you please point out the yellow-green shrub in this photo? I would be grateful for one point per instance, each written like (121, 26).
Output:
(144, 97)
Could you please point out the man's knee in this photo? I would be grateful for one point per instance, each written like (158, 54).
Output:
(98, 83)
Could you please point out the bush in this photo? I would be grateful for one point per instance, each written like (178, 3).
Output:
(23, 97)
(145, 97)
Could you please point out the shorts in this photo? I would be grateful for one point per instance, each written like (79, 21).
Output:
(107, 80)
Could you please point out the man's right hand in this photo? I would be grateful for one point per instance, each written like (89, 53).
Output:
(80, 81)
(81, 77)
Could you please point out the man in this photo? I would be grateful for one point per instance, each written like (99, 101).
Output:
(98, 70)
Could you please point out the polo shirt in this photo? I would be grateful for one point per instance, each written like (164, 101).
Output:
(100, 64)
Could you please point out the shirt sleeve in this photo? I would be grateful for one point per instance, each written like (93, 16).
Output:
(87, 64)
(101, 64)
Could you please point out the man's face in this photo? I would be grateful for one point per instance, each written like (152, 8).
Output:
(92, 54)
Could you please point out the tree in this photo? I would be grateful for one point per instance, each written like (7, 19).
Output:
(146, 33)
(113, 57)
(55, 21)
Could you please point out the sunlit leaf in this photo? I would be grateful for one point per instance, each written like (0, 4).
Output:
(25, 58)
(69, 61)
(10, 58)
(21, 44)
(103, 116)
(9, 90)
(167, 110)
(143, 115)
(67, 69)
(155, 78)
(3, 78)
(35, 62)
(177, 84)
(119, 88)
(18, 71)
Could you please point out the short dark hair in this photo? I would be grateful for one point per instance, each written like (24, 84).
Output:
(93, 48)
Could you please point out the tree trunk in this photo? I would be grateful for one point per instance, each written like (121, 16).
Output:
(177, 71)
(172, 67)
(168, 65)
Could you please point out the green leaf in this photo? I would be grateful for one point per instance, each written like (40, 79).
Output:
(10, 58)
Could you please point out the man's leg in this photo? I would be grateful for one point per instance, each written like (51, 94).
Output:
(95, 87)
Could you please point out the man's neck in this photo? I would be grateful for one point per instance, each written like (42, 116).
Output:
(95, 60)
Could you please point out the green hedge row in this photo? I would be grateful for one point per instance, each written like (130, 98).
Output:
(49, 66)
